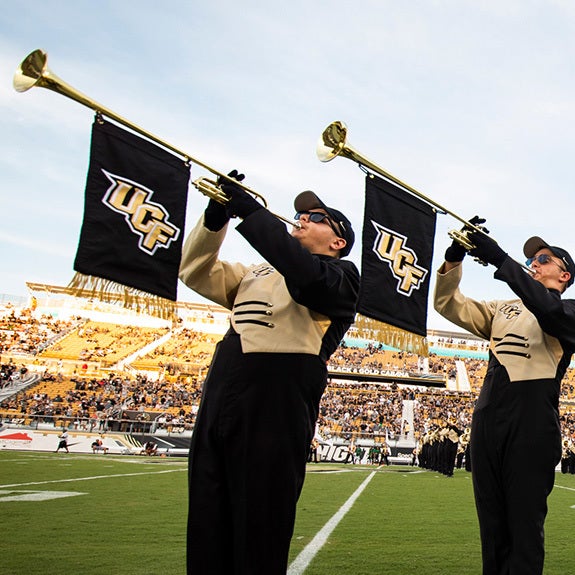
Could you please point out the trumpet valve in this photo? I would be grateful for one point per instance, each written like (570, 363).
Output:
(461, 238)
(211, 189)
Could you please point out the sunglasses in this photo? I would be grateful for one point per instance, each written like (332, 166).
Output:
(318, 217)
(544, 259)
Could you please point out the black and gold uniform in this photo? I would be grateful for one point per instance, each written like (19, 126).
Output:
(261, 397)
(515, 439)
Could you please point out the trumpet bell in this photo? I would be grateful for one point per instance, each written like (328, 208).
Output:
(332, 142)
(34, 72)
(31, 71)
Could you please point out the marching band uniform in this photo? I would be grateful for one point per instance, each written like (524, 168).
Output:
(571, 468)
(568, 456)
(463, 450)
(424, 455)
(261, 397)
(451, 442)
(565, 456)
(516, 415)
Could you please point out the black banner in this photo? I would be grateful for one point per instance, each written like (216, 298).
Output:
(398, 235)
(134, 213)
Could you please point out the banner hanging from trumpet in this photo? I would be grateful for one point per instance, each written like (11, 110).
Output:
(397, 249)
(134, 216)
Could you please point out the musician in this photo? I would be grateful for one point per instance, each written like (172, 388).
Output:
(313, 457)
(515, 441)
(261, 396)
(565, 456)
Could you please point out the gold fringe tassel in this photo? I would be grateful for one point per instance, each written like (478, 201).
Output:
(373, 329)
(130, 298)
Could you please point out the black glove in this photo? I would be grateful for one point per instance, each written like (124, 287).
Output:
(486, 249)
(456, 252)
(215, 216)
(241, 203)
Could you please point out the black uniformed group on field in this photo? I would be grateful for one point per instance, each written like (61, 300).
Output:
(447, 448)
(444, 448)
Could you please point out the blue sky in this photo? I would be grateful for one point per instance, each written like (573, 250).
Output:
(472, 103)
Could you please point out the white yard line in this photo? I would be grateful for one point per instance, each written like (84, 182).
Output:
(89, 478)
(302, 561)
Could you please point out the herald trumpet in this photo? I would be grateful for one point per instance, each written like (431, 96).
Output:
(34, 72)
(333, 142)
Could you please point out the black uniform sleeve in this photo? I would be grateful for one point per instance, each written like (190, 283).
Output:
(327, 285)
(556, 316)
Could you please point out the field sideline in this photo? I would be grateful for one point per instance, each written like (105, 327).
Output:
(93, 514)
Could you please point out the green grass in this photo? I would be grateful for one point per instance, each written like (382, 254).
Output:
(131, 516)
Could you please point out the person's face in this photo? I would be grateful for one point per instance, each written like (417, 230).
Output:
(318, 237)
(551, 274)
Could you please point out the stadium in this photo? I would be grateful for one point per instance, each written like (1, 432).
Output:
(97, 368)
(104, 373)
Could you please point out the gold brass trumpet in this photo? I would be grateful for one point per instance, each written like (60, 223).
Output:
(34, 72)
(333, 142)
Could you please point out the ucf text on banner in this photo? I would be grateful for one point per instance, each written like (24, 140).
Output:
(398, 235)
(134, 216)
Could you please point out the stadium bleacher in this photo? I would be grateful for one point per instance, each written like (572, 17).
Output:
(98, 369)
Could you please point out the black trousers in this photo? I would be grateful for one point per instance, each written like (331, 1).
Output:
(515, 446)
(248, 457)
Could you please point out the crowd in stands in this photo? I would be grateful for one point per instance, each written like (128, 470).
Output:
(103, 342)
(98, 404)
(460, 343)
(9, 372)
(188, 347)
(22, 333)
(374, 409)
(347, 410)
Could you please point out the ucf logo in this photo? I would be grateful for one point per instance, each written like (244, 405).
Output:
(390, 247)
(147, 219)
(510, 310)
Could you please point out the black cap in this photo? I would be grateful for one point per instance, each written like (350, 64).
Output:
(534, 244)
(308, 200)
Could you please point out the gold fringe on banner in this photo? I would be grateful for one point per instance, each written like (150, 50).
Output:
(369, 328)
(107, 291)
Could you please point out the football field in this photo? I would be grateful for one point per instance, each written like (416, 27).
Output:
(71, 514)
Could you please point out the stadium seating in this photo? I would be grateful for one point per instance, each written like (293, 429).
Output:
(103, 342)
(161, 385)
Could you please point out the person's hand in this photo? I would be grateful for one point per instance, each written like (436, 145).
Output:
(456, 252)
(241, 203)
(486, 249)
(215, 216)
